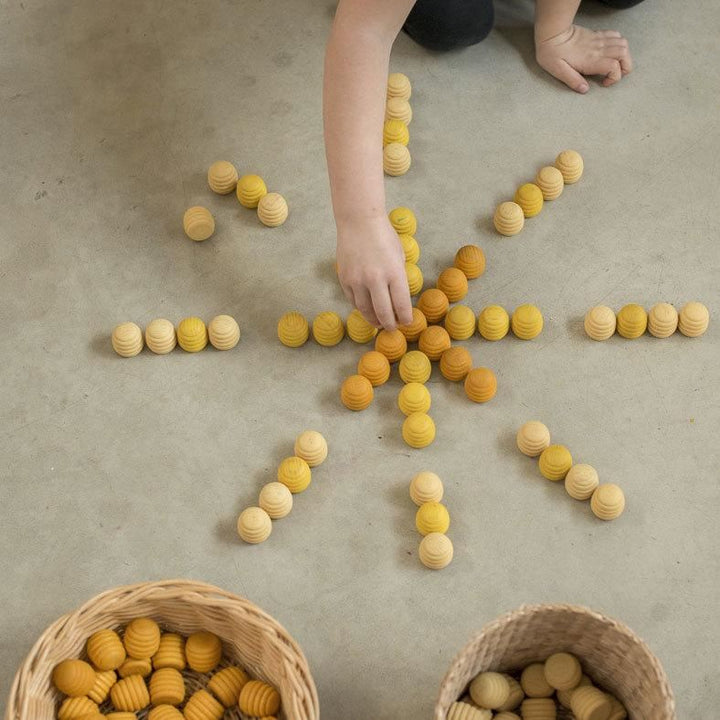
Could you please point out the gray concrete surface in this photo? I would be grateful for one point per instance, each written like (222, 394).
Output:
(121, 470)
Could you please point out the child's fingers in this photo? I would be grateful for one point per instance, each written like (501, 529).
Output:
(609, 34)
(610, 68)
(622, 54)
(401, 300)
(364, 304)
(571, 77)
(383, 306)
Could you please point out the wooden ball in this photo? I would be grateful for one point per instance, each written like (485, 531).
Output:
(227, 683)
(555, 462)
(516, 695)
(167, 687)
(480, 385)
(589, 703)
(530, 199)
(565, 696)
(426, 487)
(403, 220)
(159, 712)
(250, 188)
(581, 481)
(490, 690)
(203, 706)
(398, 86)
(135, 666)
(414, 398)
(694, 319)
(600, 323)
(471, 260)
(397, 108)
(563, 671)
(527, 322)
(141, 638)
(550, 181)
(509, 218)
(413, 330)
(460, 322)
(104, 680)
(276, 500)
(617, 709)
(203, 651)
(410, 247)
(74, 678)
(356, 393)
(359, 330)
(506, 715)
(253, 526)
(418, 430)
(466, 711)
(662, 320)
(328, 329)
(295, 473)
(571, 165)
(396, 159)
(435, 551)
(415, 367)
(414, 277)
(538, 709)
(160, 336)
(170, 653)
(127, 339)
(532, 438)
(375, 367)
(198, 223)
(223, 332)
(222, 177)
(192, 335)
(493, 322)
(106, 650)
(433, 304)
(533, 681)
(78, 708)
(272, 209)
(632, 321)
(258, 699)
(130, 694)
(293, 330)
(608, 501)
(432, 517)
(434, 341)
(455, 363)
(395, 131)
(312, 447)
(392, 344)
(453, 283)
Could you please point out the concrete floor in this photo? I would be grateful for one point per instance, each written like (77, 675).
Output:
(122, 470)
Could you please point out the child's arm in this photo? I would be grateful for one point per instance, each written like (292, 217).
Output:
(371, 263)
(568, 51)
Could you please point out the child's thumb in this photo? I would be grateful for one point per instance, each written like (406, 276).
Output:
(571, 77)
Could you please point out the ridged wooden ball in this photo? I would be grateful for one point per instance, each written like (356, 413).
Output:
(192, 334)
(455, 363)
(78, 708)
(506, 715)
(555, 462)
(550, 181)
(435, 551)
(570, 164)
(127, 339)
(509, 218)
(608, 501)
(617, 709)
(530, 199)
(533, 681)
(222, 177)
(312, 447)
(254, 526)
(414, 398)
(694, 319)
(396, 159)
(395, 131)
(480, 385)
(398, 85)
(167, 687)
(563, 671)
(159, 712)
(293, 329)
(295, 473)
(359, 330)
(516, 695)
(198, 223)
(135, 666)
(392, 344)
(538, 709)
(632, 321)
(276, 500)
(171, 652)
(397, 108)
(589, 703)
(223, 332)
(426, 487)
(434, 341)
(460, 322)
(410, 247)
(527, 322)
(414, 277)
(413, 330)
(403, 220)
(258, 699)
(662, 320)
(160, 336)
(375, 367)
(130, 694)
(433, 304)
(250, 188)
(141, 638)
(432, 517)
(466, 711)
(418, 430)
(565, 696)
(532, 438)
(471, 260)
(581, 481)
(415, 367)
(203, 706)
(106, 650)
(272, 209)
(74, 678)
(328, 329)
(453, 282)
(356, 393)
(104, 680)
(600, 323)
(490, 690)
(493, 322)
(227, 683)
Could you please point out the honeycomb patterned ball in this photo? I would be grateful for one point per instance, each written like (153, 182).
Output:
(356, 393)
(414, 398)
(436, 551)
(312, 447)
(414, 277)
(276, 500)
(471, 260)
(250, 188)
(253, 526)
(74, 678)
(198, 223)
(434, 341)
(432, 517)
(493, 322)
(411, 249)
(694, 319)
(600, 323)
(581, 481)
(532, 438)
(167, 687)
(192, 335)
(480, 385)
(460, 322)
(632, 321)
(509, 218)
(295, 473)
(550, 181)
(418, 430)
(127, 339)
(398, 108)
(130, 694)
(106, 650)
(391, 343)
(426, 487)
(78, 708)
(135, 666)
(589, 703)
(395, 131)
(530, 199)
(160, 336)
(527, 322)
(533, 681)
(571, 165)
(490, 690)
(455, 363)
(328, 329)
(413, 330)
(203, 706)
(223, 332)
(538, 709)
(258, 699)
(403, 220)
(171, 652)
(104, 680)
(398, 86)
(466, 711)
(555, 462)
(375, 367)
(227, 683)
(453, 283)
(142, 638)
(272, 209)
(433, 304)
(415, 367)
(359, 330)
(222, 177)
(159, 712)
(396, 159)
(203, 651)
(293, 330)
(608, 501)
(662, 320)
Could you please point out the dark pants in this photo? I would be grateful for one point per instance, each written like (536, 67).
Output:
(448, 24)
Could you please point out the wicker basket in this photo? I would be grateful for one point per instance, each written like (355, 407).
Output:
(250, 638)
(610, 652)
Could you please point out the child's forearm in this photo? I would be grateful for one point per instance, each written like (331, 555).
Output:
(553, 17)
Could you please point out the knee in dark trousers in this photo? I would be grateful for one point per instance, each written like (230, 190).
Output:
(621, 4)
(448, 24)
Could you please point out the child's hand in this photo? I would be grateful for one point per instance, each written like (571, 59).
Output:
(578, 51)
(371, 269)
